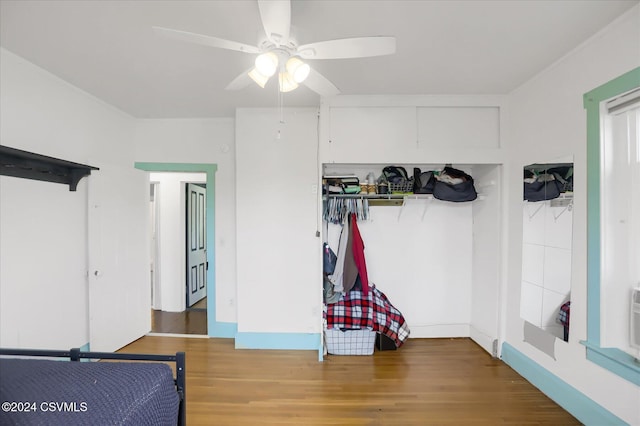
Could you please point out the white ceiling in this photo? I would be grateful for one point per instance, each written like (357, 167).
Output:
(108, 48)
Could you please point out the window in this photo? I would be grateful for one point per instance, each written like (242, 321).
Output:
(613, 203)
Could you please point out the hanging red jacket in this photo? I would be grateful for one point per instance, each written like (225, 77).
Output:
(358, 254)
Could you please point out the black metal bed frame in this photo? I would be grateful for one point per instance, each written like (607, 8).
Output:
(75, 354)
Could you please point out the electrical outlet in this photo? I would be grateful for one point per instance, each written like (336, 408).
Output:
(314, 189)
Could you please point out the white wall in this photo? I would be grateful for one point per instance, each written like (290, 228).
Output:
(547, 120)
(487, 257)
(43, 226)
(422, 264)
(279, 273)
(210, 141)
(171, 237)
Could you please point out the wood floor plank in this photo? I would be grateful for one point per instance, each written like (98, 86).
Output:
(190, 321)
(426, 382)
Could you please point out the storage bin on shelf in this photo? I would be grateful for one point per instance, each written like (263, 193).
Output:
(401, 188)
(350, 342)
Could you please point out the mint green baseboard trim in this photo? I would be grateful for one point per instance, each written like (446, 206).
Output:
(85, 348)
(222, 329)
(291, 341)
(575, 402)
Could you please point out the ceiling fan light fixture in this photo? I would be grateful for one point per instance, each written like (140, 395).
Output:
(297, 69)
(267, 64)
(258, 77)
(287, 83)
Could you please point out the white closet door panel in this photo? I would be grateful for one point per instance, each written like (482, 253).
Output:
(458, 127)
(119, 255)
(372, 134)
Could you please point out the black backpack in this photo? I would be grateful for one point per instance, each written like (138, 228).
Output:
(423, 182)
(395, 174)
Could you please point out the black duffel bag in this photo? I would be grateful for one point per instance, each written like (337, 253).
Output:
(544, 187)
(456, 192)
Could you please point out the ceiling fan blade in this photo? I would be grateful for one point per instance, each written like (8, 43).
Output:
(358, 47)
(320, 84)
(205, 40)
(241, 81)
(276, 20)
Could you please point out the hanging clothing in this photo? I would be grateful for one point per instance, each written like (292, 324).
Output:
(337, 277)
(350, 274)
(358, 255)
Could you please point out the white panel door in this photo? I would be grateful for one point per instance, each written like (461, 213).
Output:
(196, 244)
(119, 255)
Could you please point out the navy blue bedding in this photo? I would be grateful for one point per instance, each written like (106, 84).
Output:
(46, 392)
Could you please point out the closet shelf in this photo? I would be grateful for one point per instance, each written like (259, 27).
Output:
(28, 165)
(399, 197)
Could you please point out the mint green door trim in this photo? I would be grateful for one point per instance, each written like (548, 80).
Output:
(214, 328)
(612, 359)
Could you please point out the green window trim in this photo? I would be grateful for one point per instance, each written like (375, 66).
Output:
(612, 359)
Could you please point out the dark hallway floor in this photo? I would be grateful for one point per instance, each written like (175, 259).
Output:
(191, 321)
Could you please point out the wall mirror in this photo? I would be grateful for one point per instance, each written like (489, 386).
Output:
(546, 246)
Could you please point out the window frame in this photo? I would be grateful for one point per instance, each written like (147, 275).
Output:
(612, 359)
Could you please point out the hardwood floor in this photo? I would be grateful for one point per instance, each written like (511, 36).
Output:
(426, 382)
(200, 304)
(188, 322)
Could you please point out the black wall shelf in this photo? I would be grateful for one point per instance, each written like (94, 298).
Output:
(28, 165)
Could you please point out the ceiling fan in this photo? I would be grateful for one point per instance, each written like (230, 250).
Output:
(279, 53)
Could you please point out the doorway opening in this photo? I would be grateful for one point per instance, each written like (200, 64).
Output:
(174, 315)
(179, 253)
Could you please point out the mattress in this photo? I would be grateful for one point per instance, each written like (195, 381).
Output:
(47, 392)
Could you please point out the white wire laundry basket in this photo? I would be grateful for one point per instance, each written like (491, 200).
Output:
(350, 342)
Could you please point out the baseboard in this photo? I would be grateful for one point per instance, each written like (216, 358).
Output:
(575, 402)
(483, 340)
(291, 341)
(444, 330)
(222, 329)
(191, 336)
